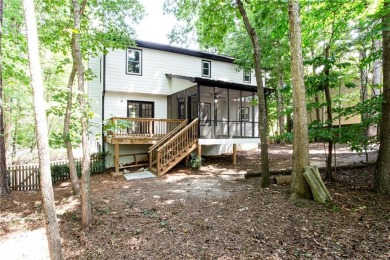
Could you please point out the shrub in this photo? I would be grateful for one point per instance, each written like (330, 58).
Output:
(195, 161)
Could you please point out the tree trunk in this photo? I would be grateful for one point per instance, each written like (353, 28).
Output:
(328, 172)
(316, 97)
(4, 188)
(52, 229)
(299, 187)
(265, 175)
(382, 170)
(376, 81)
(290, 123)
(364, 95)
(281, 108)
(7, 121)
(376, 71)
(68, 142)
(86, 178)
(15, 133)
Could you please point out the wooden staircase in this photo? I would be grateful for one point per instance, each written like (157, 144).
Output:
(173, 147)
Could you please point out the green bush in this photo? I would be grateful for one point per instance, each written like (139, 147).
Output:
(195, 161)
(98, 165)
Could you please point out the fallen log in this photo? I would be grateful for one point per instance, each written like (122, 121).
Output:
(286, 179)
(288, 170)
(320, 192)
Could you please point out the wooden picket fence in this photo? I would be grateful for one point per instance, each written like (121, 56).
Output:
(26, 177)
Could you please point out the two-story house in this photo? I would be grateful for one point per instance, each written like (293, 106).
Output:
(167, 101)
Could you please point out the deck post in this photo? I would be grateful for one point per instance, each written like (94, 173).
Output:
(187, 161)
(234, 154)
(150, 159)
(199, 150)
(116, 158)
(158, 162)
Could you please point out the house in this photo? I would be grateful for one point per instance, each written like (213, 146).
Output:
(162, 102)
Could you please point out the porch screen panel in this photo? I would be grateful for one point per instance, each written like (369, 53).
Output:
(246, 114)
(221, 116)
(206, 111)
(234, 113)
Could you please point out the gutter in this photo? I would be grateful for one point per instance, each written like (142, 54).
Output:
(103, 97)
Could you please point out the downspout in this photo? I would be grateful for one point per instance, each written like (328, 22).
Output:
(103, 96)
(228, 117)
(240, 113)
(198, 97)
(253, 115)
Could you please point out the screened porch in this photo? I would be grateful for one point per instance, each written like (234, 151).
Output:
(225, 110)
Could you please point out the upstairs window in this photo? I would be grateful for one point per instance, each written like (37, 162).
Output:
(247, 77)
(134, 62)
(206, 68)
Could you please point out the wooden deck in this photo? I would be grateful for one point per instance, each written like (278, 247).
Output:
(133, 140)
(124, 130)
(171, 140)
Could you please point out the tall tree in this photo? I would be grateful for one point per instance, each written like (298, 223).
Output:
(4, 188)
(382, 170)
(299, 186)
(52, 229)
(263, 123)
(215, 22)
(66, 133)
(78, 60)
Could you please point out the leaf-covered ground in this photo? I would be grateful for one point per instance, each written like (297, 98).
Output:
(214, 214)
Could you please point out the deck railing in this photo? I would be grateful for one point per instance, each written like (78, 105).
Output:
(179, 146)
(140, 127)
(153, 149)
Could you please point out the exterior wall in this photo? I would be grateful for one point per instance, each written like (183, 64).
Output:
(219, 149)
(116, 103)
(351, 94)
(155, 65)
(152, 85)
(222, 146)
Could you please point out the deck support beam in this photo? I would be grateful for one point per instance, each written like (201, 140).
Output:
(116, 158)
(234, 154)
(199, 150)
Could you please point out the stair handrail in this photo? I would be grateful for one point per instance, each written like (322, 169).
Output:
(167, 136)
(195, 121)
(164, 158)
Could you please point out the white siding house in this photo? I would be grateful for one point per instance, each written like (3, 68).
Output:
(161, 81)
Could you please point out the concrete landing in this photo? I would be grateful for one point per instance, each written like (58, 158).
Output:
(139, 175)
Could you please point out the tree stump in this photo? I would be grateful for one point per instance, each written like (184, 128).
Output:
(317, 186)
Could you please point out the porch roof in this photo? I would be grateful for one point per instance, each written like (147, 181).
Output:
(220, 83)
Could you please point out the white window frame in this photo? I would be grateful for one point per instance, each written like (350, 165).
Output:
(203, 68)
(249, 75)
(244, 114)
(140, 62)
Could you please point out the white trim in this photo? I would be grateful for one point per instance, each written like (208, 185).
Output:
(140, 62)
(229, 141)
(250, 77)
(209, 68)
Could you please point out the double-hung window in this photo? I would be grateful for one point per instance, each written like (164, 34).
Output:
(247, 77)
(244, 113)
(206, 68)
(134, 61)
